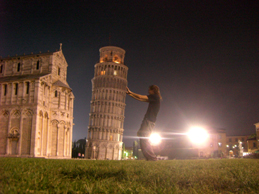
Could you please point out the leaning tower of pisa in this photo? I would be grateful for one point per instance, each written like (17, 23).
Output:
(106, 118)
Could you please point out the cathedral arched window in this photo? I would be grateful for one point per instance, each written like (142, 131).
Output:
(1, 68)
(5, 89)
(18, 67)
(27, 87)
(56, 93)
(38, 65)
(15, 88)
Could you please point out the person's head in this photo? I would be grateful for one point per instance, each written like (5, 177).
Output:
(153, 89)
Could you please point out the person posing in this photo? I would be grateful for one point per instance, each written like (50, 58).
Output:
(149, 120)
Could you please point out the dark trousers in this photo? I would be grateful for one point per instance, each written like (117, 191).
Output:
(144, 133)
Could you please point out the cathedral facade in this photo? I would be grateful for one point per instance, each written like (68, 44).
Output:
(36, 106)
(106, 118)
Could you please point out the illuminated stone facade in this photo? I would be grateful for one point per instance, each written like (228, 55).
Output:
(254, 142)
(233, 144)
(36, 106)
(215, 144)
(257, 134)
(105, 131)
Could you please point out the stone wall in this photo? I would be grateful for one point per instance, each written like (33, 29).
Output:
(34, 121)
(4, 117)
(29, 64)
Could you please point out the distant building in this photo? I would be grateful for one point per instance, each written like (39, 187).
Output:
(252, 144)
(36, 106)
(215, 146)
(232, 146)
(257, 134)
(78, 148)
(106, 118)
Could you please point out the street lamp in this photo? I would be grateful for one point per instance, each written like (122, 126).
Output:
(155, 139)
(198, 135)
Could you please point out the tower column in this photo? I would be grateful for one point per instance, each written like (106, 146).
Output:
(42, 135)
(58, 128)
(21, 133)
(64, 141)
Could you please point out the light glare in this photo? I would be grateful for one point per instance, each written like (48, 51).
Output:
(198, 135)
(155, 139)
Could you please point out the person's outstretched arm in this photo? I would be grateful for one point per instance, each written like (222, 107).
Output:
(139, 97)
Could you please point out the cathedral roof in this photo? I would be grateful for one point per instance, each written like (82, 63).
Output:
(28, 55)
(31, 55)
(21, 77)
(61, 84)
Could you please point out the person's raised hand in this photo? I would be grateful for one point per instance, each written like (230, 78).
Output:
(128, 91)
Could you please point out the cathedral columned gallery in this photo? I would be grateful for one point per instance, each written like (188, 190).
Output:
(36, 106)
(105, 131)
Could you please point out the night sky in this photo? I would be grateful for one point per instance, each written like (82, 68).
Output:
(202, 54)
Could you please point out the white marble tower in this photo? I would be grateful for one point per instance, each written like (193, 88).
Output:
(106, 118)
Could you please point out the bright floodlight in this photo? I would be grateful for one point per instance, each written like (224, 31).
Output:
(155, 139)
(198, 135)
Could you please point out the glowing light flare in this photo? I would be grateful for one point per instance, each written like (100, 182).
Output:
(155, 139)
(198, 135)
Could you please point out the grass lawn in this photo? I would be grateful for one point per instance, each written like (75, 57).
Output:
(30, 175)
